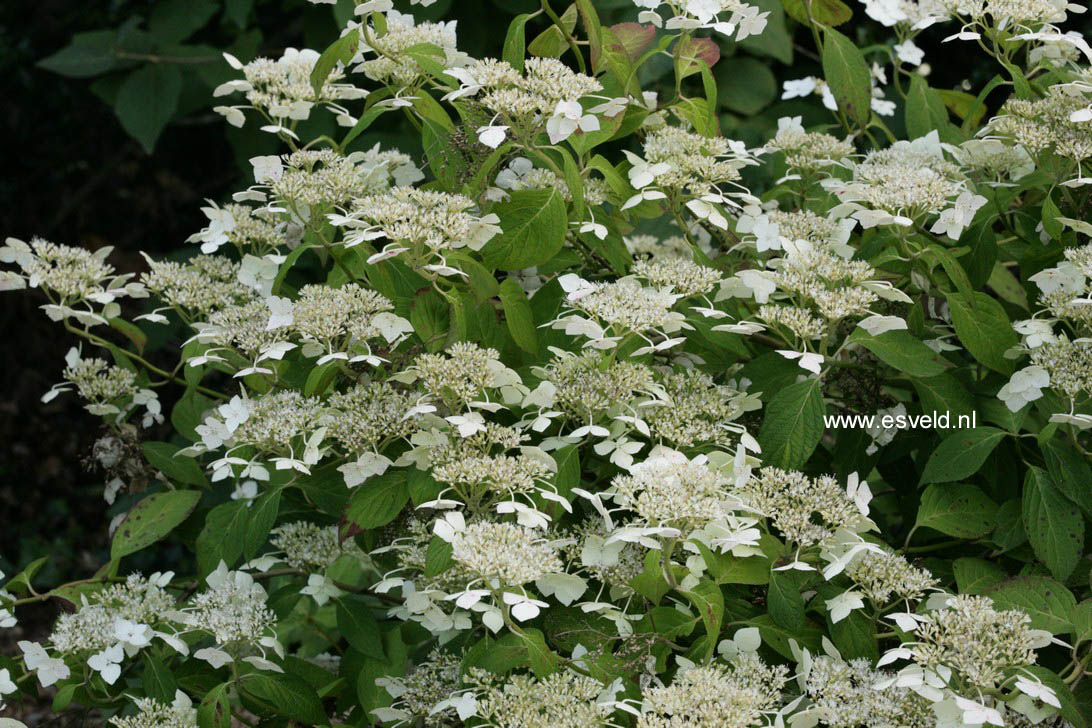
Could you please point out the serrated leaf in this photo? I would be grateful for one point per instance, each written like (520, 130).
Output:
(263, 514)
(518, 316)
(88, 55)
(152, 519)
(515, 42)
(961, 455)
(340, 51)
(1049, 604)
(285, 695)
(1053, 524)
(984, 329)
(925, 112)
(378, 501)
(849, 77)
(1070, 473)
(823, 12)
(223, 536)
(147, 100)
(793, 425)
(976, 576)
(903, 351)
(785, 600)
(179, 469)
(215, 708)
(957, 510)
(533, 224)
(356, 623)
(157, 680)
(944, 393)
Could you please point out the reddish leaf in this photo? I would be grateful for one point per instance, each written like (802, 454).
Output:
(633, 38)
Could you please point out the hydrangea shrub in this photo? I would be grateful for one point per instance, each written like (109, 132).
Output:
(552, 423)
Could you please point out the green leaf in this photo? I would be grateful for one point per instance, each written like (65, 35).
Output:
(518, 315)
(320, 378)
(778, 637)
(962, 104)
(1051, 224)
(215, 708)
(285, 695)
(976, 576)
(961, 455)
(551, 43)
(430, 319)
(855, 636)
(1053, 524)
(1070, 473)
(984, 328)
(437, 557)
(179, 469)
(1082, 622)
(147, 100)
(498, 655)
(356, 623)
(592, 28)
(130, 331)
(925, 111)
(633, 38)
(515, 42)
(325, 487)
(957, 510)
(263, 514)
(223, 536)
(729, 569)
(23, 581)
(775, 40)
(340, 51)
(650, 583)
(786, 600)
(378, 501)
(617, 43)
(903, 351)
(533, 224)
(1049, 604)
(823, 12)
(1006, 285)
(746, 85)
(708, 600)
(1010, 526)
(850, 79)
(542, 659)
(157, 681)
(61, 700)
(173, 21)
(793, 425)
(951, 266)
(944, 393)
(366, 119)
(88, 55)
(152, 519)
